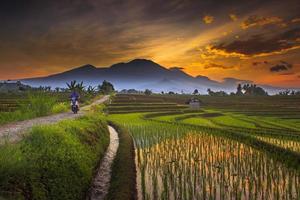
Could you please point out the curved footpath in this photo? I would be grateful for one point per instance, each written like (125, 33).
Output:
(12, 132)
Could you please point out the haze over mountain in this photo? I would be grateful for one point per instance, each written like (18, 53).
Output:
(140, 74)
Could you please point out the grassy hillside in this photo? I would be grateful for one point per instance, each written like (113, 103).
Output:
(53, 162)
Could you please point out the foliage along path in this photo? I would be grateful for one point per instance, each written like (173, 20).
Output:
(12, 132)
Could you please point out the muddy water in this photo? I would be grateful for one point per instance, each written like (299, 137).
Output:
(101, 181)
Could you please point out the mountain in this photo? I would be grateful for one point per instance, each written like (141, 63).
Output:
(138, 74)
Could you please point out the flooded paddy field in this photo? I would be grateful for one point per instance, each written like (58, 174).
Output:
(213, 153)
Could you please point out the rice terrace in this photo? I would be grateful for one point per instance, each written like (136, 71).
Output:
(149, 100)
(233, 147)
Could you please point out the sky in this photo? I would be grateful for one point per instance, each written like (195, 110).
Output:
(244, 39)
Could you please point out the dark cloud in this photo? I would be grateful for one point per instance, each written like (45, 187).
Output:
(234, 81)
(215, 65)
(53, 35)
(282, 66)
(254, 20)
(256, 63)
(259, 44)
(176, 68)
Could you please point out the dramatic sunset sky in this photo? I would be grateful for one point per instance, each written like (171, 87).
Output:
(253, 40)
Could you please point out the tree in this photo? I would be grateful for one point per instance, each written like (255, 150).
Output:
(106, 87)
(74, 86)
(80, 87)
(147, 92)
(171, 92)
(195, 92)
(218, 93)
(210, 93)
(91, 90)
(285, 93)
(239, 90)
(253, 90)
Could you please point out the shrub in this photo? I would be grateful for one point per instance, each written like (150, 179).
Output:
(40, 104)
(60, 107)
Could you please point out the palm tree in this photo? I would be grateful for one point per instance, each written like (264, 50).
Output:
(80, 86)
(91, 90)
(72, 85)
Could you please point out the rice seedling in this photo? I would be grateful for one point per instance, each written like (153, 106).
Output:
(175, 161)
(201, 155)
(287, 144)
(203, 166)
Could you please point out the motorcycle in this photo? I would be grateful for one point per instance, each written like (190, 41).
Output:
(74, 105)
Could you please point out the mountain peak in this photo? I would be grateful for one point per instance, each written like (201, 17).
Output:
(87, 66)
(176, 68)
(141, 61)
(79, 70)
(201, 77)
(138, 64)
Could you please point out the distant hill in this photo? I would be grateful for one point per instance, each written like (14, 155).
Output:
(11, 86)
(139, 74)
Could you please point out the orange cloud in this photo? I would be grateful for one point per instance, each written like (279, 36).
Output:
(213, 53)
(233, 17)
(295, 20)
(210, 52)
(218, 66)
(208, 19)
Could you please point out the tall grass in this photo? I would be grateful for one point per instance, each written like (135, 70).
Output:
(39, 104)
(53, 162)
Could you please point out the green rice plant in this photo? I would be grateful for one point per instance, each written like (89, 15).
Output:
(178, 161)
(225, 164)
(287, 144)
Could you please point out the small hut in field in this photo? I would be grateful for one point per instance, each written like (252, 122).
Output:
(194, 103)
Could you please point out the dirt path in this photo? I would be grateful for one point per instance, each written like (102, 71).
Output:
(12, 132)
(101, 181)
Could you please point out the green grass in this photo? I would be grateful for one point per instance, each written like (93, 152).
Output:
(247, 121)
(38, 104)
(199, 121)
(60, 107)
(230, 121)
(55, 161)
(123, 180)
(156, 131)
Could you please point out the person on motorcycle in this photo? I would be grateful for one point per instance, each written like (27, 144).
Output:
(75, 97)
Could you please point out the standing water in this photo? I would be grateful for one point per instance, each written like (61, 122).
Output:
(101, 181)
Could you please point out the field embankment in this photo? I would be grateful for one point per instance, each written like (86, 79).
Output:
(54, 161)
